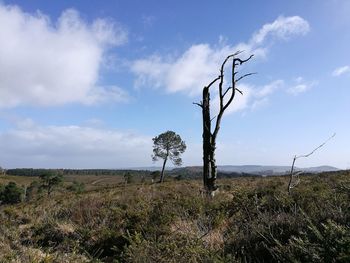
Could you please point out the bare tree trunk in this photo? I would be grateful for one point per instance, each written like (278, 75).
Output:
(212, 180)
(206, 137)
(161, 179)
(209, 163)
(209, 137)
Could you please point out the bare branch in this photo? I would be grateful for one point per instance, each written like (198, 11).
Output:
(245, 75)
(222, 74)
(293, 174)
(230, 56)
(239, 91)
(237, 53)
(213, 118)
(241, 61)
(221, 96)
(223, 106)
(233, 87)
(226, 91)
(215, 80)
(234, 64)
(199, 104)
(314, 150)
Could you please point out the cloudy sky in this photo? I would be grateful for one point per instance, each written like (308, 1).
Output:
(87, 84)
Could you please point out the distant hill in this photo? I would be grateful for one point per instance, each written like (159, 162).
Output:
(228, 171)
(319, 169)
(262, 170)
(148, 168)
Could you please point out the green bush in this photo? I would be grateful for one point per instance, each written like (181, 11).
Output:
(173, 248)
(2, 187)
(32, 190)
(330, 242)
(76, 187)
(11, 193)
(128, 178)
(49, 180)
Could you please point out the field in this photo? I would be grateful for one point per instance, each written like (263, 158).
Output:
(249, 220)
(91, 182)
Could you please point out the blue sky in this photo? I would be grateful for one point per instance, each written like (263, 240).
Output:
(88, 84)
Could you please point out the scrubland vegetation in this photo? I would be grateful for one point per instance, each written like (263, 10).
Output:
(249, 220)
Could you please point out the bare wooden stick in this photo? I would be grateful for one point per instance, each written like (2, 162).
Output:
(245, 75)
(198, 104)
(292, 174)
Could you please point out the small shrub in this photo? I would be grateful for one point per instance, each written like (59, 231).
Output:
(155, 175)
(49, 180)
(76, 187)
(11, 194)
(128, 178)
(32, 190)
(2, 187)
(330, 242)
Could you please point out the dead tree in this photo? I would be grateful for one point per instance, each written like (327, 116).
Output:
(226, 97)
(294, 175)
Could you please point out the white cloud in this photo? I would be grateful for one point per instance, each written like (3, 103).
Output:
(44, 63)
(301, 86)
(153, 70)
(340, 71)
(261, 95)
(270, 88)
(253, 97)
(106, 93)
(188, 73)
(30, 145)
(241, 102)
(260, 103)
(197, 66)
(282, 28)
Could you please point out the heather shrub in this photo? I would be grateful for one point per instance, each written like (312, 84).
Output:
(11, 193)
(249, 220)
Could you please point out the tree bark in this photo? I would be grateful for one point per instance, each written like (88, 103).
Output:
(209, 163)
(212, 180)
(162, 173)
(206, 136)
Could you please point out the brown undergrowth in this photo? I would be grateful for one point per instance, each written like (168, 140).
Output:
(249, 220)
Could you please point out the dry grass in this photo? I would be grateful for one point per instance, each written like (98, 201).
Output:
(20, 180)
(249, 220)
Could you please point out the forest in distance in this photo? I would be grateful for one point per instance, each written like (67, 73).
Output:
(185, 172)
